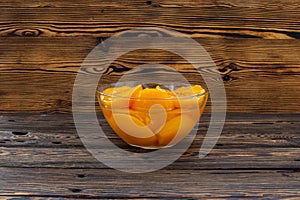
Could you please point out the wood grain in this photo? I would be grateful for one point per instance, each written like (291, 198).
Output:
(93, 183)
(255, 45)
(47, 160)
(68, 53)
(52, 93)
(259, 75)
(209, 21)
(223, 159)
(282, 4)
(244, 143)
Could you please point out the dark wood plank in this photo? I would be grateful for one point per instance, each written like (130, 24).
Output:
(244, 157)
(259, 75)
(208, 21)
(79, 183)
(67, 54)
(235, 135)
(70, 3)
(52, 93)
(31, 197)
(36, 92)
(253, 130)
(282, 4)
(247, 141)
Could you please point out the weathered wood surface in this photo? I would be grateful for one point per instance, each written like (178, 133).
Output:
(53, 143)
(248, 141)
(94, 183)
(257, 155)
(282, 4)
(255, 45)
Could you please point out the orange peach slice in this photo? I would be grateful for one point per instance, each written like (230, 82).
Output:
(106, 97)
(176, 129)
(122, 99)
(158, 118)
(198, 89)
(132, 126)
(185, 93)
(138, 141)
(150, 96)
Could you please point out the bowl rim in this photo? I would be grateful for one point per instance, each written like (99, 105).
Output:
(100, 90)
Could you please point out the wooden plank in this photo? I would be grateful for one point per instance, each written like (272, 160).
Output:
(282, 4)
(67, 54)
(70, 3)
(243, 157)
(63, 123)
(82, 4)
(31, 197)
(90, 183)
(58, 131)
(247, 141)
(36, 92)
(235, 135)
(51, 93)
(259, 75)
(211, 21)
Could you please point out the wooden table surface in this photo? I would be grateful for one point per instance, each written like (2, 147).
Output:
(255, 46)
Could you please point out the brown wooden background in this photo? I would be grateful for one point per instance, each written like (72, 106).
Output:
(255, 45)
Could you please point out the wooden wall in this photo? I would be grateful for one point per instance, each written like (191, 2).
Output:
(43, 44)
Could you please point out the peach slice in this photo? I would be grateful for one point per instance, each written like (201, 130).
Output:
(138, 141)
(122, 99)
(158, 118)
(132, 126)
(189, 102)
(106, 98)
(150, 96)
(176, 129)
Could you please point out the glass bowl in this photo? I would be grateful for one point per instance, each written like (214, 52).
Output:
(150, 115)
